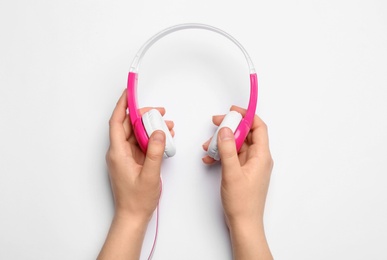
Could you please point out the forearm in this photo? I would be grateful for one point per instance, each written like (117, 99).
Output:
(125, 238)
(249, 241)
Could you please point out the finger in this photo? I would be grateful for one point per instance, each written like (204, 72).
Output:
(259, 146)
(217, 119)
(206, 144)
(127, 127)
(116, 129)
(227, 151)
(243, 158)
(208, 160)
(146, 109)
(154, 155)
(249, 138)
(240, 110)
(170, 124)
(132, 140)
(259, 134)
(244, 148)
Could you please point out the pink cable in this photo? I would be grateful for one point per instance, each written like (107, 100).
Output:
(157, 223)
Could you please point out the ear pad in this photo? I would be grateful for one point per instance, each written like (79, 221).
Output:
(231, 120)
(152, 121)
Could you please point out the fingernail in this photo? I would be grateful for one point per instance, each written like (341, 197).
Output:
(158, 136)
(225, 134)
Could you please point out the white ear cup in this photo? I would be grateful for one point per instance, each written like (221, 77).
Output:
(231, 120)
(152, 121)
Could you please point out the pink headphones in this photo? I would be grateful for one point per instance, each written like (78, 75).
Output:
(151, 121)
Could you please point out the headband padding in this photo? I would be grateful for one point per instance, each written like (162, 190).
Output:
(152, 121)
(231, 120)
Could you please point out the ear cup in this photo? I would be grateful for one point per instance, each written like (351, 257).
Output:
(231, 120)
(152, 121)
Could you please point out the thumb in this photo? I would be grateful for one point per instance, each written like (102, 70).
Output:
(154, 154)
(227, 151)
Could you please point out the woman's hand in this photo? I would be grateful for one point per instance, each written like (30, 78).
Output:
(245, 182)
(135, 182)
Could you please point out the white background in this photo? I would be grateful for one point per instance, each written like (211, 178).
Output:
(322, 69)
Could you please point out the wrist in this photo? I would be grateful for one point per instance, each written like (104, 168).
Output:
(125, 237)
(242, 221)
(248, 239)
(247, 229)
(132, 221)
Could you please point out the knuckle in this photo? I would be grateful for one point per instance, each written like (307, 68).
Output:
(271, 163)
(264, 126)
(268, 161)
(111, 156)
(111, 122)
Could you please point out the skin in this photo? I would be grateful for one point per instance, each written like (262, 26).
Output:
(136, 185)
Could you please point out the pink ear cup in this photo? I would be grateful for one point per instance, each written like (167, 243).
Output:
(232, 121)
(152, 121)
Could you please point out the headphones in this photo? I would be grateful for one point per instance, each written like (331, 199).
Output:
(152, 120)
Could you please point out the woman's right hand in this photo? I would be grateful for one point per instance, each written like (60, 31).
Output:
(245, 182)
